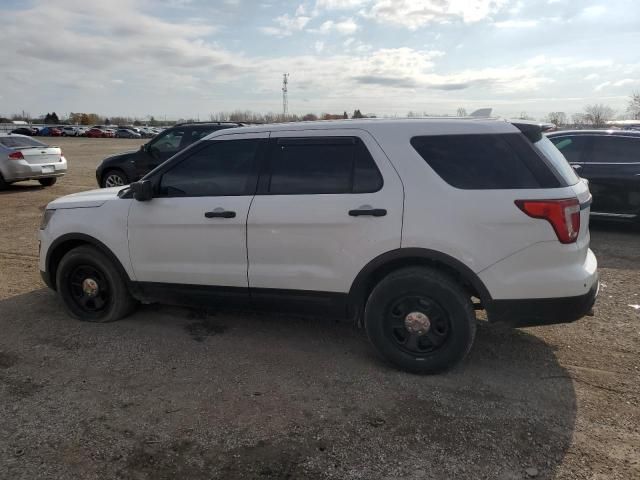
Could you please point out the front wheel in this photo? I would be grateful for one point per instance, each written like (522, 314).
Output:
(91, 287)
(47, 182)
(420, 320)
(114, 178)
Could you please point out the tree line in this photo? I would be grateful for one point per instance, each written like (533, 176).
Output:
(595, 115)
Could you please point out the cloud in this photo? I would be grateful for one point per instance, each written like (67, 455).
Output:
(516, 24)
(339, 4)
(287, 24)
(414, 14)
(342, 27)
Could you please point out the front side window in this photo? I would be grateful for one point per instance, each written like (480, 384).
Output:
(615, 149)
(218, 169)
(170, 142)
(571, 147)
(322, 165)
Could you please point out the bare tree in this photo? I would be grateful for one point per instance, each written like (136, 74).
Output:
(579, 120)
(525, 116)
(559, 119)
(598, 114)
(461, 112)
(633, 108)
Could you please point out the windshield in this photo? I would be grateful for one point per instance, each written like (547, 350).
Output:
(551, 153)
(19, 142)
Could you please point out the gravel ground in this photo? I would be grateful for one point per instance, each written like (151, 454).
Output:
(178, 393)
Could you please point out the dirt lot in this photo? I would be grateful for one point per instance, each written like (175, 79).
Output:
(174, 393)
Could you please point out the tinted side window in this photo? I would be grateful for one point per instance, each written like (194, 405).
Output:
(169, 142)
(480, 162)
(615, 150)
(322, 165)
(571, 147)
(220, 168)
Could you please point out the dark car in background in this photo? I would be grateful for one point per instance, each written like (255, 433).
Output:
(128, 167)
(126, 133)
(610, 160)
(30, 131)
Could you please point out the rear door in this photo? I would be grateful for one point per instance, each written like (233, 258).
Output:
(613, 169)
(327, 204)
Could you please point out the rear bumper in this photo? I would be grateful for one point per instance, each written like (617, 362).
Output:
(542, 311)
(17, 170)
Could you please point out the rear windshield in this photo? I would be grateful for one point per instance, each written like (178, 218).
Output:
(557, 160)
(486, 161)
(18, 142)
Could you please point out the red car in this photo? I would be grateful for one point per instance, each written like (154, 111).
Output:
(54, 132)
(96, 133)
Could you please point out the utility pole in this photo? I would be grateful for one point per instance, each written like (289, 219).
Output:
(285, 94)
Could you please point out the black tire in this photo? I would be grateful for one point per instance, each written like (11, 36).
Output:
(3, 183)
(48, 182)
(114, 178)
(84, 269)
(441, 341)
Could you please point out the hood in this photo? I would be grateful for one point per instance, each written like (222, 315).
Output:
(90, 199)
(118, 157)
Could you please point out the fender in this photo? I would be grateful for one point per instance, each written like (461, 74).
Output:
(402, 257)
(55, 254)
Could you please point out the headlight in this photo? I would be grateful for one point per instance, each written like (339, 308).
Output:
(46, 218)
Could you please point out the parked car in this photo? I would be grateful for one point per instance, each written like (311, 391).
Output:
(96, 133)
(30, 131)
(124, 133)
(68, 131)
(82, 131)
(25, 158)
(404, 226)
(610, 160)
(50, 132)
(124, 168)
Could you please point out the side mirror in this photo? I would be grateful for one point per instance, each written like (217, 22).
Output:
(142, 190)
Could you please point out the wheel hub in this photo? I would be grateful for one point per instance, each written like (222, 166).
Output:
(90, 287)
(417, 323)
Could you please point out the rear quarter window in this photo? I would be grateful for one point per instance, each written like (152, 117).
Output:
(485, 161)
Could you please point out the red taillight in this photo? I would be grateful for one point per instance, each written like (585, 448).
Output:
(16, 156)
(563, 215)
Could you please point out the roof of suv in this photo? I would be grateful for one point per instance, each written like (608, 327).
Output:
(432, 126)
(618, 133)
(204, 124)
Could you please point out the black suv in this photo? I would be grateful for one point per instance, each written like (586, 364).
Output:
(610, 160)
(124, 168)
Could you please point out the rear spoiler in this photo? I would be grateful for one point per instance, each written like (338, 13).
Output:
(532, 130)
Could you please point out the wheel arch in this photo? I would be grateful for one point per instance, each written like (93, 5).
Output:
(384, 264)
(64, 244)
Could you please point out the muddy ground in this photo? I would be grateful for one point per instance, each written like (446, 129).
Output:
(176, 393)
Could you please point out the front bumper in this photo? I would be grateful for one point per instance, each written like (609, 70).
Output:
(542, 311)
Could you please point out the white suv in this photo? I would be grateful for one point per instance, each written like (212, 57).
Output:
(406, 226)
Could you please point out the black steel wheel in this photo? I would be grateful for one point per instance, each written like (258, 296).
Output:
(420, 319)
(92, 287)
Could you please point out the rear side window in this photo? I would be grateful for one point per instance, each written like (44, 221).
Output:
(317, 165)
(485, 161)
(557, 160)
(615, 149)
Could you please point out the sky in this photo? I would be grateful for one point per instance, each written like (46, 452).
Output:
(190, 58)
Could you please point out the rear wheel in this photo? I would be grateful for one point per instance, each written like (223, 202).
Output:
(420, 320)
(91, 287)
(114, 178)
(47, 182)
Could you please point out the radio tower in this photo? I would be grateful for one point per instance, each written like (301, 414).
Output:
(285, 94)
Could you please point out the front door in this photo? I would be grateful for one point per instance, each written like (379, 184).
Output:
(327, 204)
(194, 229)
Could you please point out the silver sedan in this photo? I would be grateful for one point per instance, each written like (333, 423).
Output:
(25, 158)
